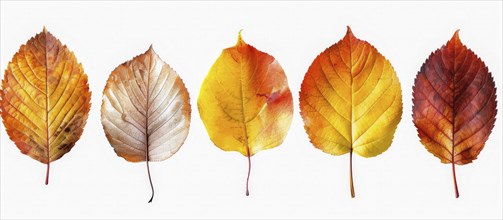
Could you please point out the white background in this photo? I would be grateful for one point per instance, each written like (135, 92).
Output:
(294, 180)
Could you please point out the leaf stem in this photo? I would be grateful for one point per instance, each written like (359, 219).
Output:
(455, 181)
(47, 173)
(351, 174)
(147, 153)
(48, 145)
(151, 185)
(249, 170)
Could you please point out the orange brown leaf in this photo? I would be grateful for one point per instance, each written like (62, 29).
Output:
(45, 99)
(454, 99)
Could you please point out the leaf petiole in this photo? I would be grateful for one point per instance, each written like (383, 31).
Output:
(249, 170)
(351, 174)
(456, 191)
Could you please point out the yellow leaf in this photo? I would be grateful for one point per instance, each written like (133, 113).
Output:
(145, 111)
(245, 102)
(351, 100)
(45, 99)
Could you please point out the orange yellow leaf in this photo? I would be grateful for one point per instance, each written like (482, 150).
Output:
(351, 100)
(45, 99)
(244, 102)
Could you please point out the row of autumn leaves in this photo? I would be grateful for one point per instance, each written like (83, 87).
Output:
(350, 101)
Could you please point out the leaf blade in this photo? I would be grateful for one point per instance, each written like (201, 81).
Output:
(348, 94)
(264, 102)
(454, 111)
(455, 84)
(129, 119)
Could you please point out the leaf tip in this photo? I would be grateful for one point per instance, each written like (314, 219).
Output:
(240, 38)
(455, 40)
(45, 32)
(150, 49)
(349, 31)
(456, 35)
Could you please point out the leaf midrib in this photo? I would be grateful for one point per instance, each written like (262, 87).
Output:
(47, 101)
(245, 129)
